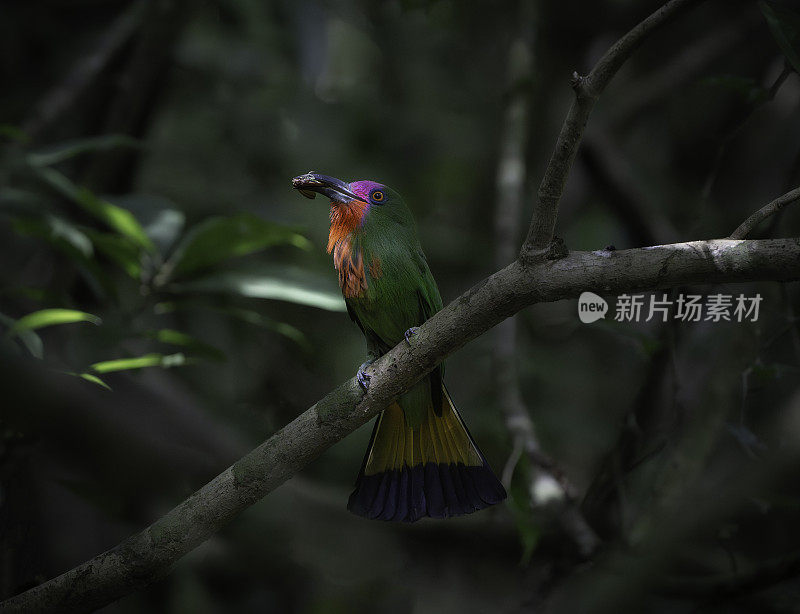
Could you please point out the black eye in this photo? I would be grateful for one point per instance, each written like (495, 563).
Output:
(377, 196)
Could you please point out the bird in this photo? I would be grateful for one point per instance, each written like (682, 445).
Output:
(421, 460)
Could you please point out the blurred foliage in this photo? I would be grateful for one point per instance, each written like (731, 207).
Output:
(146, 148)
(171, 266)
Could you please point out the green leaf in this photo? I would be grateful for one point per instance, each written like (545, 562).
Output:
(278, 283)
(784, 24)
(94, 379)
(161, 219)
(220, 238)
(51, 317)
(31, 341)
(60, 152)
(54, 230)
(140, 362)
(89, 378)
(175, 337)
(120, 250)
(118, 219)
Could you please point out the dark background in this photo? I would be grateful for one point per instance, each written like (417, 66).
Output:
(195, 116)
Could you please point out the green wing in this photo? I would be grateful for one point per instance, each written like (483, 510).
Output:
(430, 302)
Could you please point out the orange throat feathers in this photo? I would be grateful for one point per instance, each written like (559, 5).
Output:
(348, 260)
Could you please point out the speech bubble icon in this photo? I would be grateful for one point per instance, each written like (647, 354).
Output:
(591, 307)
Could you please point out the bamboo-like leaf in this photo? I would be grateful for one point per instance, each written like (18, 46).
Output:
(115, 217)
(94, 379)
(140, 362)
(89, 378)
(220, 238)
(118, 219)
(278, 283)
(51, 317)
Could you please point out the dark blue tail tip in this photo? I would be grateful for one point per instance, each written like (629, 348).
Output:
(426, 491)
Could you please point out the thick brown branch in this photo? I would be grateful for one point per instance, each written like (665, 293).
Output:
(149, 555)
(587, 90)
(746, 227)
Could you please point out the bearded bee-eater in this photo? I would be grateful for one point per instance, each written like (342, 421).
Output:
(421, 460)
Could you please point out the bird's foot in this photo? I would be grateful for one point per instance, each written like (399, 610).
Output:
(410, 333)
(362, 376)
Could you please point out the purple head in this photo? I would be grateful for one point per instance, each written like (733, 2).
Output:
(363, 188)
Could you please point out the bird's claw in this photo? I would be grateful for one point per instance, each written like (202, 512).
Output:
(362, 376)
(410, 333)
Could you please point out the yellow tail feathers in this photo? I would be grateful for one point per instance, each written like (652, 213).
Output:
(432, 469)
(438, 439)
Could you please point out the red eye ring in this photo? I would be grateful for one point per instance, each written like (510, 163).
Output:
(377, 196)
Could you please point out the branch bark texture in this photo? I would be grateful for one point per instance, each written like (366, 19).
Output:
(149, 554)
(771, 208)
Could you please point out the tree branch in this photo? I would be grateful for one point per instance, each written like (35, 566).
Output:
(148, 555)
(746, 227)
(587, 90)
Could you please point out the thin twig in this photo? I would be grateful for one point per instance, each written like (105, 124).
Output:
(587, 90)
(735, 126)
(746, 227)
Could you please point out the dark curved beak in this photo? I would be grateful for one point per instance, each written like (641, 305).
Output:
(312, 183)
